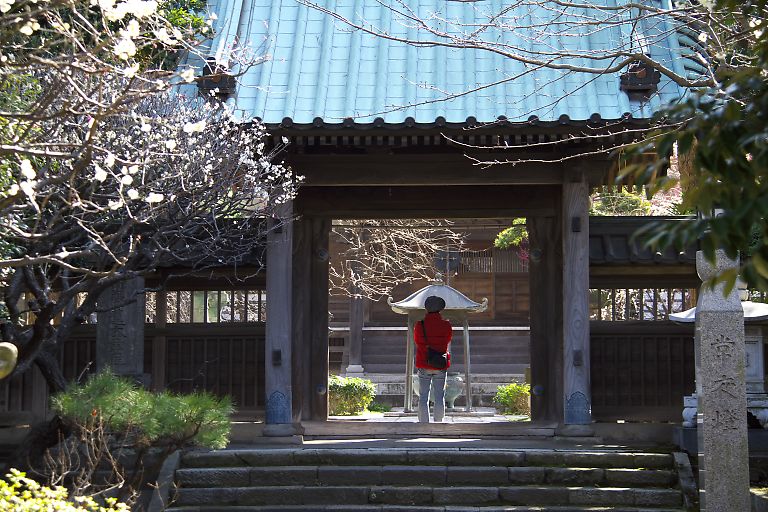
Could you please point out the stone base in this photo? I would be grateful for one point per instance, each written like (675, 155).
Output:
(687, 439)
(575, 431)
(354, 370)
(757, 405)
(282, 430)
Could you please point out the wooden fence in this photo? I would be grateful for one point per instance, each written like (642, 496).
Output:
(224, 362)
(640, 371)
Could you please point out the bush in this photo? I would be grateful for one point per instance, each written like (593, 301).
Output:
(20, 494)
(513, 398)
(175, 420)
(350, 395)
(377, 407)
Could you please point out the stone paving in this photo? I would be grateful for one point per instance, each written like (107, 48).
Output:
(479, 415)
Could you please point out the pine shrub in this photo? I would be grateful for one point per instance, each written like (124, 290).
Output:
(199, 419)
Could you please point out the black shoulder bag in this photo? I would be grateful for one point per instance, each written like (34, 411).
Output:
(435, 359)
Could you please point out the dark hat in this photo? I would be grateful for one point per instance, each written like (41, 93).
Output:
(434, 304)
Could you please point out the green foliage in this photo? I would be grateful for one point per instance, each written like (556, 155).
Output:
(513, 398)
(157, 418)
(514, 236)
(620, 203)
(19, 494)
(723, 132)
(349, 395)
(377, 407)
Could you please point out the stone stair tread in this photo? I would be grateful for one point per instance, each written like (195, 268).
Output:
(430, 495)
(415, 508)
(434, 456)
(405, 474)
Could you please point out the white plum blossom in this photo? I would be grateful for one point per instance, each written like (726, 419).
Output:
(100, 174)
(154, 197)
(125, 48)
(194, 127)
(5, 5)
(131, 30)
(27, 170)
(170, 145)
(130, 71)
(133, 194)
(164, 36)
(126, 180)
(188, 75)
(138, 8)
(30, 27)
(141, 8)
(28, 187)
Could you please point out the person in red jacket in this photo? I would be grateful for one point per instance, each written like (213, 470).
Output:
(438, 337)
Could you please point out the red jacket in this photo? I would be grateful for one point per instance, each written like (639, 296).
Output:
(439, 333)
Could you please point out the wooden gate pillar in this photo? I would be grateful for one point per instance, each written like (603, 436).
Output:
(577, 401)
(277, 346)
(310, 312)
(546, 308)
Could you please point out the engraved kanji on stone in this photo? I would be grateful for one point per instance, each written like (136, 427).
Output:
(726, 385)
(726, 419)
(724, 346)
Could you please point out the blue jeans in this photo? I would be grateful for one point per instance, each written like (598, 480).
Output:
(434, 379)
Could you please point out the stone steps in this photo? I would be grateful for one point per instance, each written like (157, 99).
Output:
(410, 508)
(420, 475)
(425, 479)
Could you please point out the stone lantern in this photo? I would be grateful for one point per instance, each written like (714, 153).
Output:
(457, 307)
(755, 335)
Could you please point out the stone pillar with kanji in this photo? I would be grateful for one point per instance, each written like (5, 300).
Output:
(722, 401)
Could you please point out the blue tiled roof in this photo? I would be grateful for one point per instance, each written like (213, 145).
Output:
(322, 71)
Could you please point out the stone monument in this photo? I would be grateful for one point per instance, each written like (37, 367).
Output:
(721, 390)
(120, 329)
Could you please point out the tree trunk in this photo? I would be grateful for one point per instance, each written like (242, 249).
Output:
(51, 371)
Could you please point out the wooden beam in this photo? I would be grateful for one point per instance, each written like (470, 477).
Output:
(428, 202)
(424, 170)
